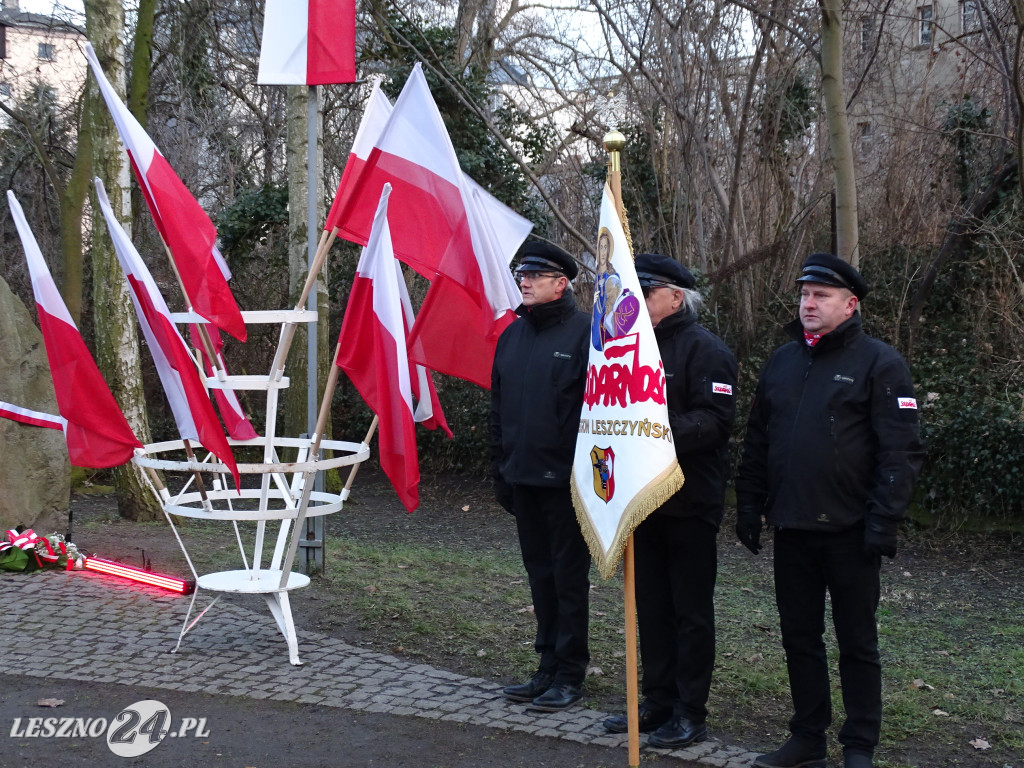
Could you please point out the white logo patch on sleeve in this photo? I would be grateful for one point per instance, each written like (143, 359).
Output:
(907, 402)
(721, 389)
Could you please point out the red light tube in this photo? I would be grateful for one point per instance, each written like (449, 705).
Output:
(137, 574)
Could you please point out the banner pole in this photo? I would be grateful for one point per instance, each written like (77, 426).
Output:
(613, 143)
(632, 678)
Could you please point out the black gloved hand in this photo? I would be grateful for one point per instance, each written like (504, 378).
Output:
(503, 492)
(879, 541)
(748, 527)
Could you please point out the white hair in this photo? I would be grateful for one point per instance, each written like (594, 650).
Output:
(692, 300)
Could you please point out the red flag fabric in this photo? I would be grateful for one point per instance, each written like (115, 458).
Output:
(451, 227)
(95, 429)
(192, 409)
(308, 43)
(183, 224)
(231, 412)
(373, 354)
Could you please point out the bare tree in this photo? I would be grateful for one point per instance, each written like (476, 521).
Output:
(117, 343)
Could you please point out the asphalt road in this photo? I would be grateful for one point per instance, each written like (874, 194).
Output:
(244, 732)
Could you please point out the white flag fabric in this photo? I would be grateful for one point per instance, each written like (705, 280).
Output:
(625, 464)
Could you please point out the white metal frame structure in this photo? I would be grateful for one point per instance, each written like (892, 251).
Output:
(285, 493)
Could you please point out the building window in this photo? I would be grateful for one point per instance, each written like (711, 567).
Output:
(3, 41)
(970, 18)
(5, 90)
(867, 33)
(866, 137)
(925, 28)
(46, 52)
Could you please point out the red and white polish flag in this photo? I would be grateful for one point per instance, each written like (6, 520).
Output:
(453, 232)
(373, 354)
(30, 417)
(311, 42)
(183, 224)
(231, 412)
(191, 406)
(95, 429)
(428, 411)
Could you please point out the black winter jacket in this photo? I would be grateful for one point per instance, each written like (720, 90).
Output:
(540, 369)
(833, 438)
(700, 382)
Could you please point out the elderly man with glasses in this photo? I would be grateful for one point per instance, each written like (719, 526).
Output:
(676, 549)
(537, 382)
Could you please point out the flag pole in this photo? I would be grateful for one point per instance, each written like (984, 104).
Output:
(310, 475)
(312, 164)
(613, 143)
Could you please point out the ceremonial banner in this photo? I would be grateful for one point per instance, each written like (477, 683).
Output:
(308, 42)
(625, 464)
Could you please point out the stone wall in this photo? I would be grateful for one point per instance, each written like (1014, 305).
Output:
(34, 468)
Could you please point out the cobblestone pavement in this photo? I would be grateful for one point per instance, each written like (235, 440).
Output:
(88, 627)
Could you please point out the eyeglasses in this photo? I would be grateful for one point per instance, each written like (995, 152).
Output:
(646, 290)
(531, 276)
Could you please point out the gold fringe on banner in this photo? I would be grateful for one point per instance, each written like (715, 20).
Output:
(650, 497)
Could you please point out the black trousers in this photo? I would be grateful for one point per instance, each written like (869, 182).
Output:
(558, 566)
(676, 568)
(807, 563)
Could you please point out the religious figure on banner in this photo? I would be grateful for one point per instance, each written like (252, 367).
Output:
(615, 308)
(625, 464)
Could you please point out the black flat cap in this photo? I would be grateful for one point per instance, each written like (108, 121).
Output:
(656, 269)
(538, 256)
(828, 269)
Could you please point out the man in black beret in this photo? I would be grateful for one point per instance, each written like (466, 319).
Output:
(676, 550)
(831, 455)
(540, 368)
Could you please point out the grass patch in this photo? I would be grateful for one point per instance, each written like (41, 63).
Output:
(446, 586)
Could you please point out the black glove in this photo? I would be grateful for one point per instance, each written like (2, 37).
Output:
(748, 527)
(503, 492)
(879, 540)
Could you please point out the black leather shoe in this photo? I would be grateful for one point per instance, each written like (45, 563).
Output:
(678, 732)
(651, 718)
(793, 754)
(529, 690)
(855, 758)
(558, 697)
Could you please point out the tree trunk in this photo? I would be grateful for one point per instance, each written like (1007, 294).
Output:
(839, 130)
(117, 344)
(142, 61)
(295, 420)
(138, 81)
(72, 203)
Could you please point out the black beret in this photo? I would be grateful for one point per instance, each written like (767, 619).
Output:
(656, 269)
(828, 269)
(538, 256)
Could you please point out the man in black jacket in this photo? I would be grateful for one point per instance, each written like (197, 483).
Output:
(540, 367)
(831, 455)
(676, 550)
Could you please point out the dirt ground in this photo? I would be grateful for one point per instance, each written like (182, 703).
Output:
(964, 570)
